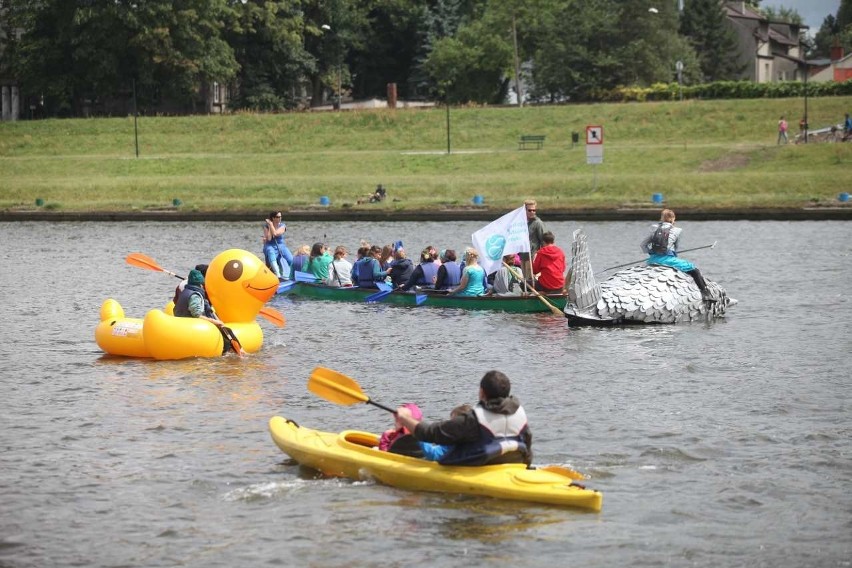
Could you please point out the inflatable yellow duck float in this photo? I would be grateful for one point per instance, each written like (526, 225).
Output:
(237, 283)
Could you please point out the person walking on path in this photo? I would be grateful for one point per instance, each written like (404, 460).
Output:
(782, 130)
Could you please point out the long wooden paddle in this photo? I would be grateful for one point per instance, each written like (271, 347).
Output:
(644, 259)
(145, 262)
(338, 388)
(556, 311)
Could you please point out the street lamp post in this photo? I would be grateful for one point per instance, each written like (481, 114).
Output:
(805, 129)
(327, 28)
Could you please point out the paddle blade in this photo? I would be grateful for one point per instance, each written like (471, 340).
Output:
(335, 387)
(285, 287)
(378, 296)
(232, 338)
(420, 298)
(384, 286)
(140, 260)
(145, 262)
(304, 276)
(272, 315)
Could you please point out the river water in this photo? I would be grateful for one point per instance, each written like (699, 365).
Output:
(720, 444)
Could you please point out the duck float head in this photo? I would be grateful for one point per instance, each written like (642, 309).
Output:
(238, 284)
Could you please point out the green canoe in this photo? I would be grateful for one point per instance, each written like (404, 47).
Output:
(428, 298)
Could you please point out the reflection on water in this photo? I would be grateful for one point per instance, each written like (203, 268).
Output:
(691, 431)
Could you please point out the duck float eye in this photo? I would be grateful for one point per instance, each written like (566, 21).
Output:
(233, 271)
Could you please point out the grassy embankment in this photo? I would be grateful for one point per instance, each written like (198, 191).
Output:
(711, 155)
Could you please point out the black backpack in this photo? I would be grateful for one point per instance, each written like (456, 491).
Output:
(660, 240)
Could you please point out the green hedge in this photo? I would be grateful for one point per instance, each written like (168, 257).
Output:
(725, 90)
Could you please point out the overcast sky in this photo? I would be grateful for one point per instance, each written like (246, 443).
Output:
(812, 11)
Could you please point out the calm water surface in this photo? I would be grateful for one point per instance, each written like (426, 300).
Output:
(723, 444)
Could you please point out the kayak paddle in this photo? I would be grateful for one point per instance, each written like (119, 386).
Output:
(304, 276)
(378, 296)
(145, 262)
(338, 388)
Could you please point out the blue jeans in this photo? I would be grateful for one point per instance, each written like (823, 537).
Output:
(278, 258)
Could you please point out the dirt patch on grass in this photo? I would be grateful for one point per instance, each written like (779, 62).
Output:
(725, 163)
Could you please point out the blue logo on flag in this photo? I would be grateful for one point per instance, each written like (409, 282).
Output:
(494, 247)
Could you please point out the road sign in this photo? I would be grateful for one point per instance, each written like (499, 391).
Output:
(594, 135)
(594, 153)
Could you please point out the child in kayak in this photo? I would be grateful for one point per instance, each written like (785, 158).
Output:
(400, 440)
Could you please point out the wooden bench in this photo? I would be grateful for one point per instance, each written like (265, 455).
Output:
(536, 140)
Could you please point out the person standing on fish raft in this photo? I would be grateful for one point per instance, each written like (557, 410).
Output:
(661, 245)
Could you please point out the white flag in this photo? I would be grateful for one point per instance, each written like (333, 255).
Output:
(507, 235)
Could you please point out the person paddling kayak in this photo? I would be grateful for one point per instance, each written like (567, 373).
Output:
(495, 431)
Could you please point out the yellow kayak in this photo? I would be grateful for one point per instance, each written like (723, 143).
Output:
(355, 455)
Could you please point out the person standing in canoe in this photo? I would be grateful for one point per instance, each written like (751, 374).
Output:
(275, 251)
(536, 229)
(495, 431)
(661, 246)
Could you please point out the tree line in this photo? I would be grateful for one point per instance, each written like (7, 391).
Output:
(281, 54)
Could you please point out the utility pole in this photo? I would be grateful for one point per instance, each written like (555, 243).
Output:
(517, 62)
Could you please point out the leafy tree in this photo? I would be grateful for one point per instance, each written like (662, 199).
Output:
(703, 22)
(472, 66)
(76, 53)
(782, 14)
(269, 48)
(391, 41)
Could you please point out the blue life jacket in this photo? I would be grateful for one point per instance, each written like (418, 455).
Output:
(366, 269)
(453, 278)
(299, 262)
(430, 271)
(500, 441)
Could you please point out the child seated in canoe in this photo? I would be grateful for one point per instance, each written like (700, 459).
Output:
(400, 440)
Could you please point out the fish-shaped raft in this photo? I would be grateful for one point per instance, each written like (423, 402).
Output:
(637, 295)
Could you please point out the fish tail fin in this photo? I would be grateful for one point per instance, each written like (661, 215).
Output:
(583, 290)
